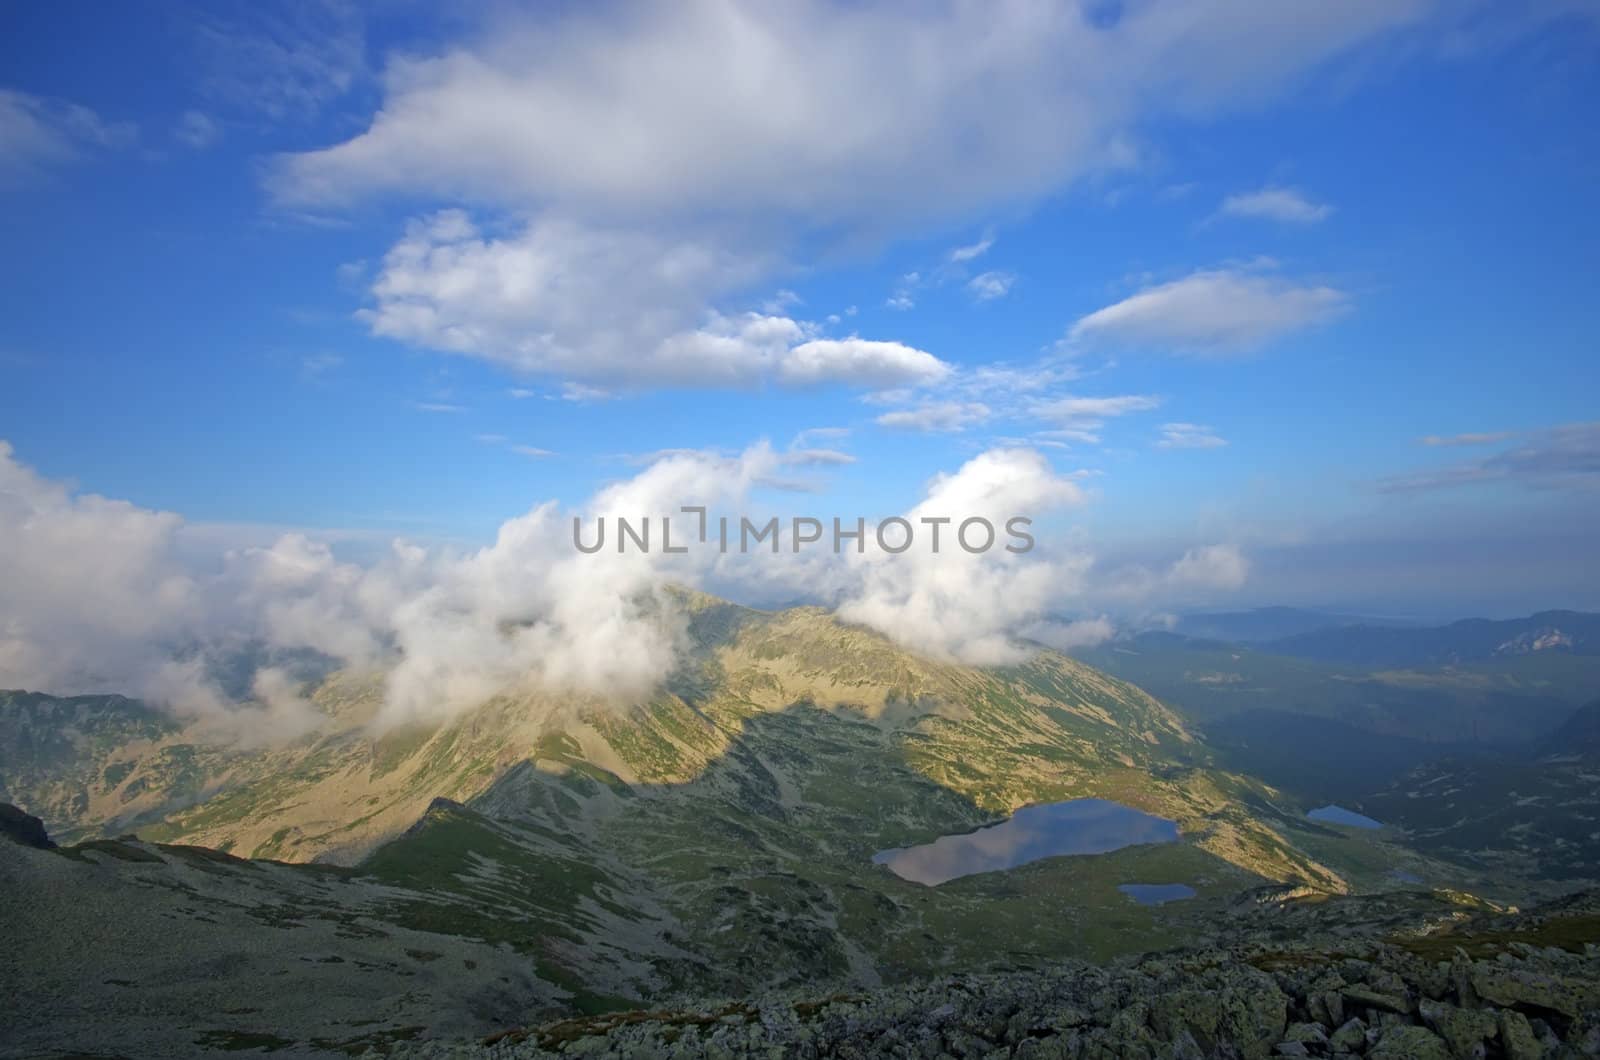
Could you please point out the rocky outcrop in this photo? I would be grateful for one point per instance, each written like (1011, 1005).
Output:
(1383, 1001)
(23, 828)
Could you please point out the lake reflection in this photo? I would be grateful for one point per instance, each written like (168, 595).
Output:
(1081, 826)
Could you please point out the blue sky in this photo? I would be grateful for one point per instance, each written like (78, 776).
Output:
(1233, 270)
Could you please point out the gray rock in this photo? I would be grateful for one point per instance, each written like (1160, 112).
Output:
(1351, 1036)
(1464, 1030)
(1365, 997)
(1516, 1036)
(1410, 1042)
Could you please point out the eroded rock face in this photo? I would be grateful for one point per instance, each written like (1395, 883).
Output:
(1248, 1002)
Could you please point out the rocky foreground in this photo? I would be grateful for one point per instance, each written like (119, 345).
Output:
(1523, 988)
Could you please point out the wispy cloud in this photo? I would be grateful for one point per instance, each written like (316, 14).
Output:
(37, 133)
(1081, 418)
(437, 406)
(1566, 457)
(1483, 438)
(197, 129)
(1188, 436)
(970, 252)
(943, 416)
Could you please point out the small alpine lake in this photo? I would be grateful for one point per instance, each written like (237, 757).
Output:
(1157, 893)
(1079, 826)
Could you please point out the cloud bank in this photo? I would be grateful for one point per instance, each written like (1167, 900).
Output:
(101, 595)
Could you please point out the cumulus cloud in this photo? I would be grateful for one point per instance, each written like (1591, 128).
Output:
(1275, 204)
(101, 597)
(88, 583)
(861, 362)
(105, 596)
(1188, 436)
(662, 165)
(834, 114)
(620, 308)
(960, 604)
(1212, 312)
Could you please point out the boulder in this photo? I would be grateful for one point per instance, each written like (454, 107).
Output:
(1409, 1042)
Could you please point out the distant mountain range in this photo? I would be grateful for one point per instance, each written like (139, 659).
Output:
(1470, 640)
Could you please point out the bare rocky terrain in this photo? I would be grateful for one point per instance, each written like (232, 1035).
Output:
(1488, 985)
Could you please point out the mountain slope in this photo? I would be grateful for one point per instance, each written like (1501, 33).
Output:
(1536, 814)
(720, 835)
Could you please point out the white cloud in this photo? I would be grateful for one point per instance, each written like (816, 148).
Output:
(663, 164)
(1188, 436)
(1275, 204)
(621, 309)
(99, 595)
(104, 596)
(937, 416)
(1199, 574)
(860, 362)
(1213, 312)
(834, 114)
(38, 133)
(987, 286)
(531, 450)
(958, 604)
(1210, 567)
(1065, 636)
(88, 583)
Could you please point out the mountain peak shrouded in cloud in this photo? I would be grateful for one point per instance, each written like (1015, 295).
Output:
(448, 629)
